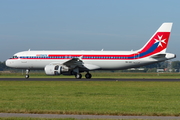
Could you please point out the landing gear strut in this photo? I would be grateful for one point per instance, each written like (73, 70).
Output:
(77, 74)
(27, 73)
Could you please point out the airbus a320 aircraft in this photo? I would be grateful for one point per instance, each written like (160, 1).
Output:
(76, 62)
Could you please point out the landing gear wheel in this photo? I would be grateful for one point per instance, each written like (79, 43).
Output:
(78, 76)
(88, 76)
(27, 73)
(27, 76)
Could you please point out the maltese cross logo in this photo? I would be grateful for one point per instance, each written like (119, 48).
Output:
(160, 41)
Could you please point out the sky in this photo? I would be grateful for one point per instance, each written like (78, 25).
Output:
(84, 24)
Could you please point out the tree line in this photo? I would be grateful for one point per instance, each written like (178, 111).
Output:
(3, 66)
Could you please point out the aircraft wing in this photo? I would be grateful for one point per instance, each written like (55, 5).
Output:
(74, 62)
(78, 62)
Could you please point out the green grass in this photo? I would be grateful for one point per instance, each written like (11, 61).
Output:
(88, 97)
(99, 75)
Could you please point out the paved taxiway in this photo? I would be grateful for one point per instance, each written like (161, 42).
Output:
(86, 116)
(93, 79)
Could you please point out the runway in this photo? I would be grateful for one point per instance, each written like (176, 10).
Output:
(87, 116)
(93, 79)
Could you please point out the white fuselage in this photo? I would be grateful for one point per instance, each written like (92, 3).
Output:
(105, 60)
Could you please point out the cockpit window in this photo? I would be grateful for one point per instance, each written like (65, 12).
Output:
(15, 56)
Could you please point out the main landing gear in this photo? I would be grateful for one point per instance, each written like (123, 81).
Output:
(87, 76)
(78, 76)
(27, 73)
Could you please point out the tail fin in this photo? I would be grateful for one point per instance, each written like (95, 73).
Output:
(158, 42)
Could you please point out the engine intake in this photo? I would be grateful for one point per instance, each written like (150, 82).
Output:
(55, 69)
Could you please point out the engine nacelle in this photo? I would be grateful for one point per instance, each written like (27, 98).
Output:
(55, 69)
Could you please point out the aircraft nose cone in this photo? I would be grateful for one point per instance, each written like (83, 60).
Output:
(8, 63)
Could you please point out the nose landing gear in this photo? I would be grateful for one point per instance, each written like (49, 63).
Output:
(27, 73)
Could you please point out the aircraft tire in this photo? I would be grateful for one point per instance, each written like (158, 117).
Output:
(27, 76)
(88, 76)
(78, 76)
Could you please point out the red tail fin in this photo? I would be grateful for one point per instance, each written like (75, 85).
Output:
(158, 42)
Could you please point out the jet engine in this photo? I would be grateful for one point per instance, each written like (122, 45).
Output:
(55, 69)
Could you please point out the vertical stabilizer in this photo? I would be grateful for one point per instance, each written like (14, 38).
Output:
(158, 42)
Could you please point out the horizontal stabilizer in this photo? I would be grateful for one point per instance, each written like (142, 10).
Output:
(159, 56)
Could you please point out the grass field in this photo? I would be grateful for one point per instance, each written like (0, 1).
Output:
(88, 97)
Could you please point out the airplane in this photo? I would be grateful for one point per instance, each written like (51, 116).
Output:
(76, 62)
